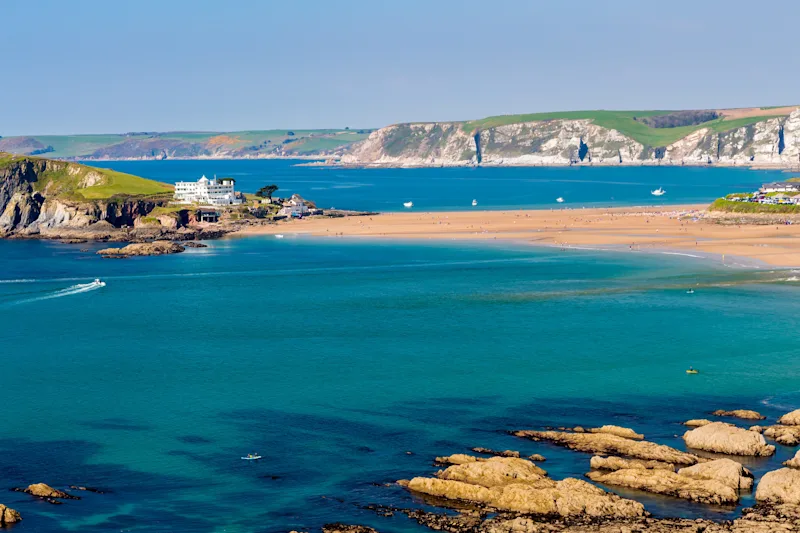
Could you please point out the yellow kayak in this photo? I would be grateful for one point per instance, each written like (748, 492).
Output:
(692, 371)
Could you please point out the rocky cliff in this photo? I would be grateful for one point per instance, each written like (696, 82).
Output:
(34, 198)
(774, 141)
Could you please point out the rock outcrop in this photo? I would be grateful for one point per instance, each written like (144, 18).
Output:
(489, 451)
(607, 444)
(696, 422)
(790, 419)
(143, 248)
(626, 433)
(8, 516)
(782, 434)
(345, 528)
(46, 492)
(723, 438)
(618, 463)
(740, 413)
(668, 483)
(726, 471)
(517, 485)
(794, 462)
(780, 486)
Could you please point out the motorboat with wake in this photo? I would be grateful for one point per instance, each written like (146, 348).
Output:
(98, 283)
(252, 457)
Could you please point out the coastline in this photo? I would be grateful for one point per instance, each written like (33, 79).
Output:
(688, 229)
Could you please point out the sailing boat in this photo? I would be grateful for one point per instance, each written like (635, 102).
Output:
(474, 203)
(658, 192)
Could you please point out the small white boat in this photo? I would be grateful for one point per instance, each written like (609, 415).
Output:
(99, 283)
(474, 203)
(690, 291)
(279, 235)
(658, 192)
(252, 457)
(408, 204)
(560, 200)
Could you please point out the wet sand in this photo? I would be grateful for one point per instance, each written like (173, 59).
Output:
(687, 228)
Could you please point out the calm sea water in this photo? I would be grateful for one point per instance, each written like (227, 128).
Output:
(455, 188)
(333, 358)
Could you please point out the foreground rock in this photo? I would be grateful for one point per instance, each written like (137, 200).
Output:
(763, 518)
(344, 528)
(780, 486)
(142, 249)
(668, 483)
(8, 516)
(720, 437)
(517, 485)
(607, 444)
(745, 414)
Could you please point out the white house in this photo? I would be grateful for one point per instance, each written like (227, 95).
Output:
(207, 192)
(294, 207)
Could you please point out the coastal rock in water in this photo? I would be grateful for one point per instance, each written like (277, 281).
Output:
(724, 438)
(489, 451)
(790, 419)
(517, 485)
(625, 433)
(344, 528)
(780, 486)
(8, 516)
(143, 248)
(618, 463)
(786, 435)
(726, 471)
(458, 459)
(606, 444)
(757, 429)
(494, 471)
(42, 490)
(668, 483)
(537, 458)
(740, 413)
(794, 462)
(192, 244)
(696, 422)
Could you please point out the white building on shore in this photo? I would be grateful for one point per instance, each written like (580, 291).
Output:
(207, 192)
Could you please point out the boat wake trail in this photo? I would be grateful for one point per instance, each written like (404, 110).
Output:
(69, 291)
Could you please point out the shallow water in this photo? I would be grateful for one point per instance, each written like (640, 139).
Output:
(335, 358)
(440, 189)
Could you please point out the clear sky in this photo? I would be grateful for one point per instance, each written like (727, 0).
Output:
(95, 66)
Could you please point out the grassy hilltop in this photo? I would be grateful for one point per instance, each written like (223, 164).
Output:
(642, 126)
(81, 182)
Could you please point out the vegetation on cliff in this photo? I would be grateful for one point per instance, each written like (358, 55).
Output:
(722, 204)
(73, 181)
(637, 124)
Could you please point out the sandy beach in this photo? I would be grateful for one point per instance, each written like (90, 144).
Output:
(683, 227)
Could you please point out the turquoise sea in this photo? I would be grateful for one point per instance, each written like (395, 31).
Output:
(335, 358)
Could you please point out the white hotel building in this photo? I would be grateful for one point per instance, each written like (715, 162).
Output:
(207, 192)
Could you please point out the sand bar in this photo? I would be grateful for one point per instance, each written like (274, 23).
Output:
(683, 227)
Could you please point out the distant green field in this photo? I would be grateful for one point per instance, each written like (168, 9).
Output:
(120, 184)
(622, 121)
(77, 146)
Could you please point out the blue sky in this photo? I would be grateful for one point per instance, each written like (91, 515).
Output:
(90, 66)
